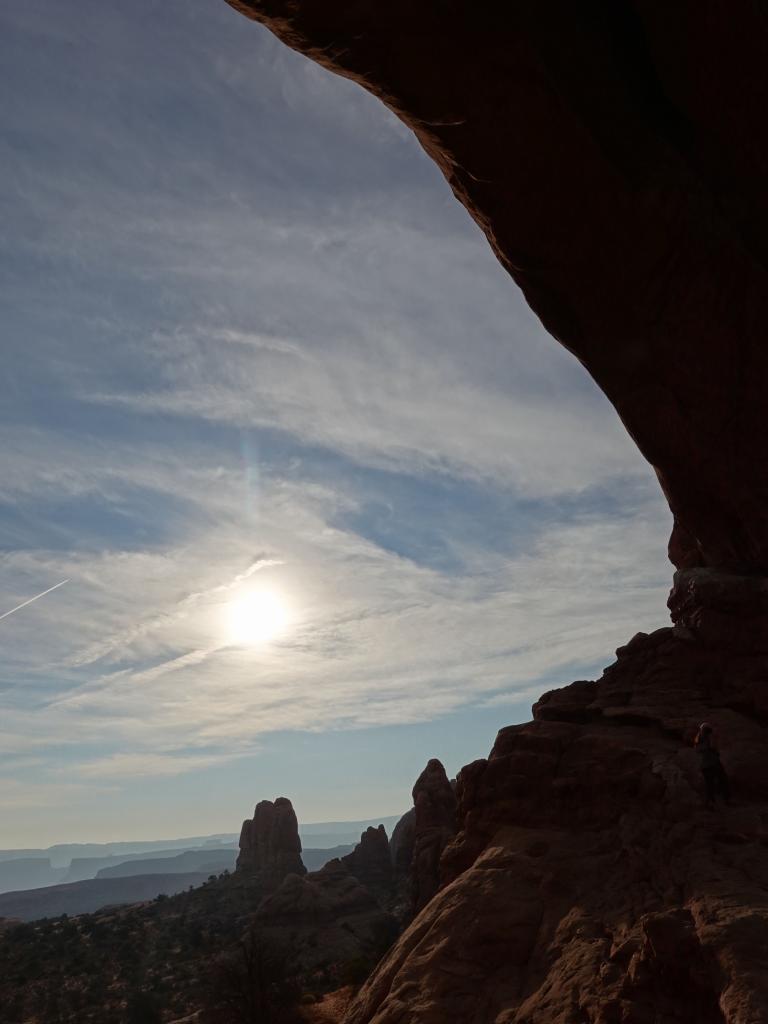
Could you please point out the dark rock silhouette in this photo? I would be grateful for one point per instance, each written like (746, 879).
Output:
(588, 881)
(314, 859)
(401, 843)
(270, 847)
(326, 917)
(625, 193)
(370, 862)
(434, 806)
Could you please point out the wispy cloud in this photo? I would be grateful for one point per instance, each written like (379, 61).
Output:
(252, 341)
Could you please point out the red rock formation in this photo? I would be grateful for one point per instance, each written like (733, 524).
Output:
(270, 847)
(324, 918)
(401, 855)
(622, 188)
(588, 882)
(370, 862)
(434, 804)
(402, 842)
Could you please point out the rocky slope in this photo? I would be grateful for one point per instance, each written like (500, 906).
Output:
(326, 917)
(588, 882)
(193, 952)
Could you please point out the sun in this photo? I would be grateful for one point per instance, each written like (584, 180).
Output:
(256, 617)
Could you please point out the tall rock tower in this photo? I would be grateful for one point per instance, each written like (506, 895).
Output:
(270, 847)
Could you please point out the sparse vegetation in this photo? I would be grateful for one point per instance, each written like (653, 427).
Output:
(143, 964)
(161, 961)
(251, 984)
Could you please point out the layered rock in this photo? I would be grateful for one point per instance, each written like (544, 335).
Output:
(588, 881)
(270, 847)
(370, 862)
(434, 825)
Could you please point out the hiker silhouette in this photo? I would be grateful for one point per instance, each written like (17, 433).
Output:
(715, 779)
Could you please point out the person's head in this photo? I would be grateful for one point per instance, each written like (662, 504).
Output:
(704, 733)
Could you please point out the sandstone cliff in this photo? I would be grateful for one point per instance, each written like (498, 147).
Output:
(588, 881)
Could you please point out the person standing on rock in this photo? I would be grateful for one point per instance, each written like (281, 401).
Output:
(715, 779)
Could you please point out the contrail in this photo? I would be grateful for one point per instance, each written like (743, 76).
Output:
(31, 599)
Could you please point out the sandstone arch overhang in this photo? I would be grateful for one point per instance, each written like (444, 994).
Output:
(615, 157)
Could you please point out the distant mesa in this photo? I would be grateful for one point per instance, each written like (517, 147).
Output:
(316, 859)
(92, 894)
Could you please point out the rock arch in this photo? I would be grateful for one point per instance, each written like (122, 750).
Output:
(615, 157)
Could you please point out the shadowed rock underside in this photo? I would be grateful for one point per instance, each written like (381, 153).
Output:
(615, 156)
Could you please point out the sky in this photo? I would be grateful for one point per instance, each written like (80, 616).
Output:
(254, 351)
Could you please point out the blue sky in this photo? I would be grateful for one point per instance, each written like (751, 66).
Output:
(252, 343)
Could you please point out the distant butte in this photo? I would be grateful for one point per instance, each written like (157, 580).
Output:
(615, 155)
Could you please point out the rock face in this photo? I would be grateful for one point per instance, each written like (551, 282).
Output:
(588, 882)
(434, 825)
(402, 842)
(370, 862)
(625, 193)
(326, 918)
(270, 847)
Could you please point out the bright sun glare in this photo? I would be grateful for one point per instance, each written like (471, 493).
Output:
(256, 617)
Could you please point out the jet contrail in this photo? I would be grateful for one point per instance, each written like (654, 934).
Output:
(31, 599)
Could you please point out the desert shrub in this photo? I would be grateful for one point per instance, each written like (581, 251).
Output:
(142, 1008)
(356, 971)
(251, 984)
